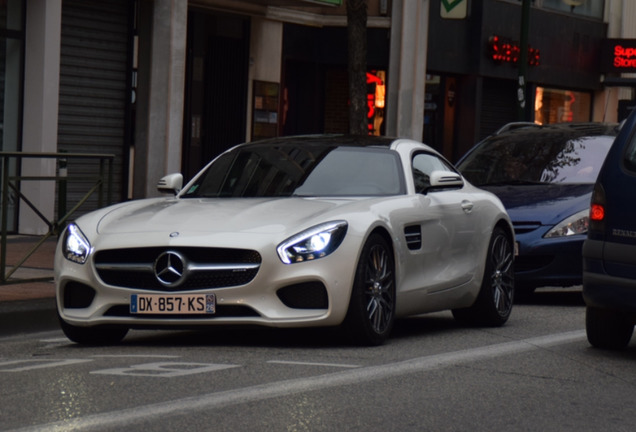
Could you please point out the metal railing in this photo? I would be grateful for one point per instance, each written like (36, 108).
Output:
(101, 183)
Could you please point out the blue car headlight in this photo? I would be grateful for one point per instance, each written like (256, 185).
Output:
(313, 243)
(576, 224)
(75, 246)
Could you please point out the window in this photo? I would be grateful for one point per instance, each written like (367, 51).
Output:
(589, 8)
(559, 106)
(301, 170)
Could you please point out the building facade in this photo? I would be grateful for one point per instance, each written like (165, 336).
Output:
(166, 85)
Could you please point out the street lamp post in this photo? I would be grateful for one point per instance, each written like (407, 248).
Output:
(523, 60)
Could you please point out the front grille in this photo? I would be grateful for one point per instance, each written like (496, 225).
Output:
(203, 268)
(525, 227)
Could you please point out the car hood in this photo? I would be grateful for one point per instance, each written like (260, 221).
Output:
(545, 203)
(236, 215)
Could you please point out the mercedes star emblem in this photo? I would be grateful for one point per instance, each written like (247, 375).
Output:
(171, 268)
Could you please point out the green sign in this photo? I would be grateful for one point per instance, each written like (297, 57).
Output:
(453, 9)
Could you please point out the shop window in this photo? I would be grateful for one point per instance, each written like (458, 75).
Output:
(558, 106)
(589, 8)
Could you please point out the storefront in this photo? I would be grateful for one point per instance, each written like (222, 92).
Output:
(473, 67)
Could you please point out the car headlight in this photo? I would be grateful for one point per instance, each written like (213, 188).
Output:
(578, 223)
(75, 247)
(313, 243)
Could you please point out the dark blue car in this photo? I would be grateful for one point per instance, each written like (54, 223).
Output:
(544, 175)
(609, 253)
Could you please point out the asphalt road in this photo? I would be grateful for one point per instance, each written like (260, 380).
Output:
(537, 373)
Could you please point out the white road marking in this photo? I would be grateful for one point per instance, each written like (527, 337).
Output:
(165, 370)
(124, 418)
(31, 364)
(135, 356)
(338, 365)
(55, 340)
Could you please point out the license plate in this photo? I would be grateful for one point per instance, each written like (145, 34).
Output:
(173, 304)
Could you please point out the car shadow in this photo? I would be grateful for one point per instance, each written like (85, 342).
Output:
(428, 325)
(552, 297)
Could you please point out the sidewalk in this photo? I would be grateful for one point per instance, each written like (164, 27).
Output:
(29, 306)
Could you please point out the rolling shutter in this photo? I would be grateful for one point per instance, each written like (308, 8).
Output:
(93, 92)
(499, 105)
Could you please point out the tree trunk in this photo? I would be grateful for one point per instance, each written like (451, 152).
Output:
(357, 45)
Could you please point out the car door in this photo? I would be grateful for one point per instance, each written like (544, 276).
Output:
(448, 254)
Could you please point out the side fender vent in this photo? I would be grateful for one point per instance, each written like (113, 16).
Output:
(413, 236)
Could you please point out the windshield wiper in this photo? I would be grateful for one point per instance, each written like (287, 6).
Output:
(513, 182)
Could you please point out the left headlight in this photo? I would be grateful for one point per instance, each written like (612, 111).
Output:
(578, 223)
(76, 247)
(313, 243)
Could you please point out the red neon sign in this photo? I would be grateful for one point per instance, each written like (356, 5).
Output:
(624, 57)
(618, 55)
(508, 51)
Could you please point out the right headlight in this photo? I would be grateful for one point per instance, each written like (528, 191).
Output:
(313, 243)
(576, 224)
(76, 247)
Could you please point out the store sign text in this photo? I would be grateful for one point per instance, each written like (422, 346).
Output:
(618, 55)
(503, 50)
(624, 57)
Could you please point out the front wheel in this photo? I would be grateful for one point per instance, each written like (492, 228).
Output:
(98, 335)
(494, 301)
(371, 311)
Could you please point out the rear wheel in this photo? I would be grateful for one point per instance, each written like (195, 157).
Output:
(372, 305)
(98, 335)
(495, 298)
(607, 329)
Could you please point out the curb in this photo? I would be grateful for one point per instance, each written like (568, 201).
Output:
(28, 316)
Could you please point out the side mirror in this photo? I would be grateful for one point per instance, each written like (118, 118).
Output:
(172, 183)
(445, 180)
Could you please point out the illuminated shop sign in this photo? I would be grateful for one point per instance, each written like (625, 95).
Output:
(376, 90)
(503, 50)
(618, 55)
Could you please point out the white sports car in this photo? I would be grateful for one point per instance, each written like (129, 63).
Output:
(292, 232)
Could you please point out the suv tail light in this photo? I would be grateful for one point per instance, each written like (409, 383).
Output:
(597, 211)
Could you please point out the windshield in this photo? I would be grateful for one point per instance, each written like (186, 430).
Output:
(301, 170)
(534, 157)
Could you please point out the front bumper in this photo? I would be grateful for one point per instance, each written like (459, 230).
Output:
(313, 293)
(548, 262)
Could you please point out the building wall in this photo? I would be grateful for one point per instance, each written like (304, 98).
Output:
(455, 49)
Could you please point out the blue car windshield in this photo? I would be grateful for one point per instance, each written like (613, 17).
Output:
(534, 158)
(301, 170)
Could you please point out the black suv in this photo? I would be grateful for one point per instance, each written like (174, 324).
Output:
(609, 253)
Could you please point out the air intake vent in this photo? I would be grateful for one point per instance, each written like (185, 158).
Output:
(413, 236)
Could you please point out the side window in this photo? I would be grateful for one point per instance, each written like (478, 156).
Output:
(423, 165)
(630, 155)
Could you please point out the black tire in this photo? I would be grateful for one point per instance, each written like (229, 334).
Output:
(371, 311)
(495, 299)
(607, 329)
(98, 335)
